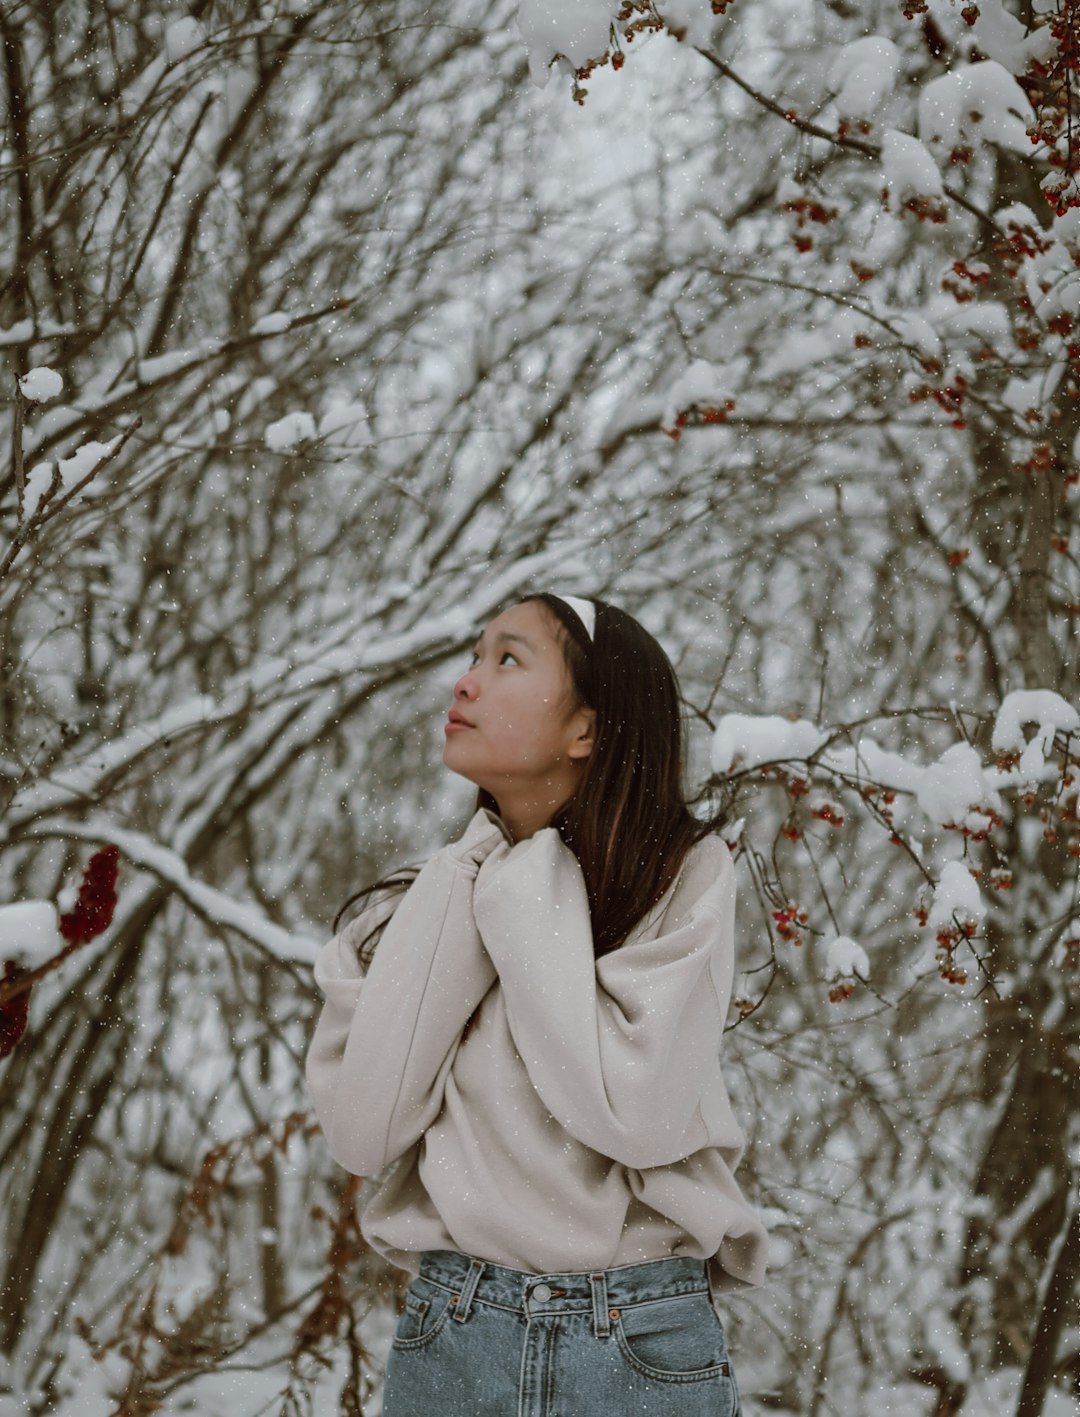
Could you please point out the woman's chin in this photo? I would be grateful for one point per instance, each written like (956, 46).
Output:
(449, 756)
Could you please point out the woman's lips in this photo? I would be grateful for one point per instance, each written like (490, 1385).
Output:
(454, 727)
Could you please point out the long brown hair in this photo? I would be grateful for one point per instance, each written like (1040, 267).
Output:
(627, 823)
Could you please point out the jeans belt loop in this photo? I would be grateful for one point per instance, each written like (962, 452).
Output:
(468, 1289)
(601, 1320)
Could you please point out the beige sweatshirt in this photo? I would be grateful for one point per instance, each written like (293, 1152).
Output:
(583, 1121)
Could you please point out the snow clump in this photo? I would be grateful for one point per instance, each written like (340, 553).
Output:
(275, 323)
(864, 75)
(577, 29)
(1005, 38)
(954, 790)
(41, 384)
(910, 171)
(72, 471)
(956, 898)
(699, 383)
(980, 102)
(845, 959)
(1040, 706)
(38, 481)
(918, 333)
(287, 432)
(75, 468)
(29, 933)
(746, 740)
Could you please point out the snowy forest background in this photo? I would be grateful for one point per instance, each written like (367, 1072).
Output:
(768, 328)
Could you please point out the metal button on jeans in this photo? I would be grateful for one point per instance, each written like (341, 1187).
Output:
(542, 1292)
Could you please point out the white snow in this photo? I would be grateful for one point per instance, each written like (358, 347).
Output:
(868, 761)
(693, 18)
(1003, 37)
(1021, 393)
(957, 790)
(976, 103)
(248, 920)
(748, 740)
(1043, 707)
(845, 959)
(30, 932)
(1032, 761)
(18, 333)
(956, 897)
(323, 661)
(75, 468)
(272, 324)
(1017, 214)
(908, 168)
(806, 348)
(287, 432)
(700, 382)
(577, 29)
(987, 319)
(149, 371)
(918, 333)
(41, 384)
(864, 74)
(181, 37)
(36, 485)
(955, 787)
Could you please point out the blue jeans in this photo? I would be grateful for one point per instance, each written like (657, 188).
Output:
(479, 1340)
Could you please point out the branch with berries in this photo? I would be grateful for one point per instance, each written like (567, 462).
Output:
(90, 916)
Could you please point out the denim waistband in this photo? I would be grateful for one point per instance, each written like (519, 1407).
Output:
(476, 1280)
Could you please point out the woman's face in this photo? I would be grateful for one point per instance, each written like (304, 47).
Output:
(523, 743)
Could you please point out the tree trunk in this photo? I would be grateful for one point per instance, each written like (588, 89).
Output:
(1059, 1291)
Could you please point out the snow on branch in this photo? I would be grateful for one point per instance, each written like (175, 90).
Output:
(828, 775)
(213, 905)
(743, 740)
(34, 941)
(845, 963)
(1041, 707)
(344, 653)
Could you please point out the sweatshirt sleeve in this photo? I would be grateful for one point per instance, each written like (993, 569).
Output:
(622, 1050)
(384, 1042)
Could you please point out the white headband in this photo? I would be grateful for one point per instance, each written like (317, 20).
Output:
(585, 610)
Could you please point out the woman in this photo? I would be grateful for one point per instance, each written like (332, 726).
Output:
(535, 1045)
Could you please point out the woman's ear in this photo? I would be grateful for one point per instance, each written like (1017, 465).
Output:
(583, 729)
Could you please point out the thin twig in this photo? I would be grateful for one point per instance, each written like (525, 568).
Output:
(839, 140)
(18, 460)
(48, 508)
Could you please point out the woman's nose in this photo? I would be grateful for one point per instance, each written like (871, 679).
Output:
(466, 686)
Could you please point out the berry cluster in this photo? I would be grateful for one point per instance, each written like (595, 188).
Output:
(1052, 89)
(695, 415)
(791, 921)
(948, 397)
(91, 914)
(93, 910)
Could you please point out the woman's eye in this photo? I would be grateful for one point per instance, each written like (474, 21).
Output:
(506, 654)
